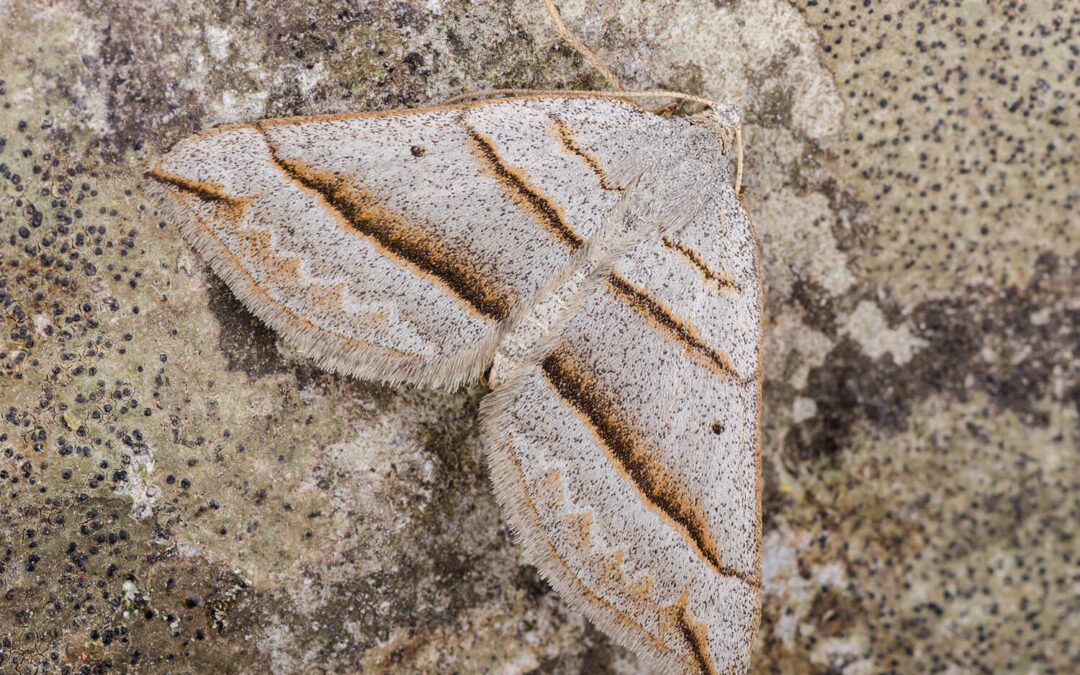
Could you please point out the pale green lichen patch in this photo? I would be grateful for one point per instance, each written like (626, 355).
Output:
(867, 326)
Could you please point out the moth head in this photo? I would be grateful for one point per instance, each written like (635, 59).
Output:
(723, 119)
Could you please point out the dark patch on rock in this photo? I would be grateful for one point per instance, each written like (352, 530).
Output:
(529, 580)
(833, 614)
(817, 304)
(459, 47)
(851, 231)
(596, 655)
(197, 610)
(850, 387)
(690, 79)
(230, 599)
(599, 652)
(458, 464)
(1031, 347)
(414, 60)
(138, 89)
(247, 342)
(772, 109)
(426, 591)
(406, 15)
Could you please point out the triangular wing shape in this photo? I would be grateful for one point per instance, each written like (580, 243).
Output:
(627, 457)
(400, 246)
(603, 250)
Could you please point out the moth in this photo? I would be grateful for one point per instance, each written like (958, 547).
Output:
(596, 258)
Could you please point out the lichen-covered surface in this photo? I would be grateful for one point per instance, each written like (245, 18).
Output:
(180, 493)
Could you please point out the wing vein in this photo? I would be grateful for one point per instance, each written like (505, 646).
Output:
(566, 137)
(528, 196)
(722, 280)
(678, 329)
(212, 193)
(694, 638)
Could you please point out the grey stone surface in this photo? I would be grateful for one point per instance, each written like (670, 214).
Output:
(180, 493)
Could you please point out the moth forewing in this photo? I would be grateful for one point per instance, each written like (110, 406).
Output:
(422, 234)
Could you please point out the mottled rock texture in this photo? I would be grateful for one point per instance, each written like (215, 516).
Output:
(179, 493)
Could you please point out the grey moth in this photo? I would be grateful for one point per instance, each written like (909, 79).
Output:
(596, 258)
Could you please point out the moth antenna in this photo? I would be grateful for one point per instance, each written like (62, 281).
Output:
(739, 161)
(621, 95)
(580, 47)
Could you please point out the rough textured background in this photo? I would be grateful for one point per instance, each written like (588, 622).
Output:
(179, 493)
